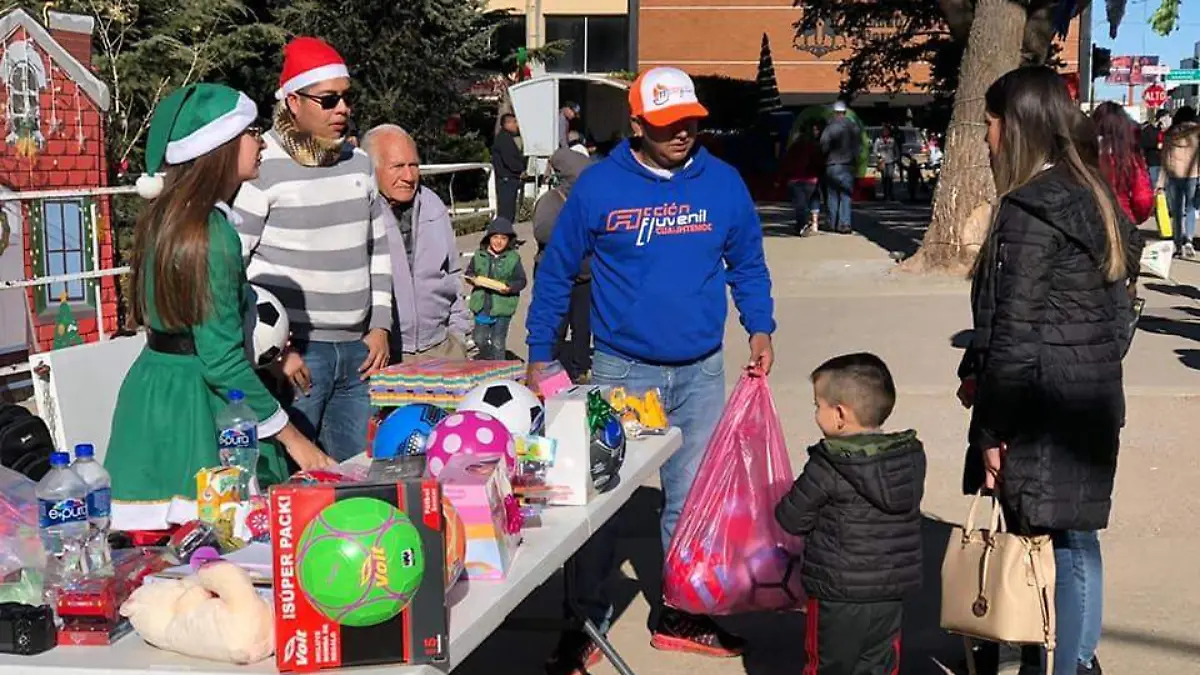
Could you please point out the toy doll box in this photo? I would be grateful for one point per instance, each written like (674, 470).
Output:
(366, 602)
(478, 490)
(442, 382)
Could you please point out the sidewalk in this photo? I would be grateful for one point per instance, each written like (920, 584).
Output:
(836, 294)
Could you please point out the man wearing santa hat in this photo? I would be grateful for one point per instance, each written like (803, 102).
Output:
(313, 234)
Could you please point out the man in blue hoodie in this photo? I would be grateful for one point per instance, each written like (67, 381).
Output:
(668, 227)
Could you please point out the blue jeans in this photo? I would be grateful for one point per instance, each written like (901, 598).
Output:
(805, 200)
(1078, 597)
(1154, 171)
(336, 411)
(492, 338)
(694, 396)
(1181, 198)
(839, 189)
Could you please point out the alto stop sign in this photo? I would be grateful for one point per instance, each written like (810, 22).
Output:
(1155, 96)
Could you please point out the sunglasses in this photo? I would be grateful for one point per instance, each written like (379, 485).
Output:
(327, 101)
(254, 131)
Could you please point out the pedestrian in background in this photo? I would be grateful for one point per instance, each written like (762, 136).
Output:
(1121, 161)
(508, 165)
(802, 167)
(841, 143)
(1180, 176)
(886, 157)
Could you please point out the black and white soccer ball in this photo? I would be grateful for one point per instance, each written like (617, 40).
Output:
(269, 328)
(517, 408)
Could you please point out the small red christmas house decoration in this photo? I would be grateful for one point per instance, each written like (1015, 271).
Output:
(52, 110)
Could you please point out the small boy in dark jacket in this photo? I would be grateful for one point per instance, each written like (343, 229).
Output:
(858, 503)
(498, 277)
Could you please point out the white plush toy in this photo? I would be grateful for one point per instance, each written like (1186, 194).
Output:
(214, 614)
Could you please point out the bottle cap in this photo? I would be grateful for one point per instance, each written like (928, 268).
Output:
(85, 450)
(60, 459)
(236, 395)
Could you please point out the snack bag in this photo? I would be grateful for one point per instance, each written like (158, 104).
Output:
(728, 555)
(642, 414)
(217, 489)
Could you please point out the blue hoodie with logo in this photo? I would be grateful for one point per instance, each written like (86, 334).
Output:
(663, 251)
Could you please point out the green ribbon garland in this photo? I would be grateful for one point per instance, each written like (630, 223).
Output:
(598, 411)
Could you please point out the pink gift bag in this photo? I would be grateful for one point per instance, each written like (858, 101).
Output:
(728, 554)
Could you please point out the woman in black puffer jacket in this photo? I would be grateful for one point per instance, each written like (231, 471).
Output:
(1051, 309)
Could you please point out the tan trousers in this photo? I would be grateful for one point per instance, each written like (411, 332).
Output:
(450, 348)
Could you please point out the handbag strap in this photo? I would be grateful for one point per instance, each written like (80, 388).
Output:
(1039, 577)
(998, 522)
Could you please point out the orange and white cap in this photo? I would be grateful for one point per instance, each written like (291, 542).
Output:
(663, 96)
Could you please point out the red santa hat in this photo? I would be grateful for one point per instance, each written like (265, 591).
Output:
(307, 61)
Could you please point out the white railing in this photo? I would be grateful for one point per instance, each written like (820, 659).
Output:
(98, 273)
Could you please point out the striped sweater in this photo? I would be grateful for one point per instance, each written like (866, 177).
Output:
(315, 237)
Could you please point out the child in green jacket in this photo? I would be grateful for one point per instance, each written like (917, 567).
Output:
(498, 277)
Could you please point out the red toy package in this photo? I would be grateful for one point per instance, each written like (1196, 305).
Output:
(728, 555)
(358, 574)
(97, 599)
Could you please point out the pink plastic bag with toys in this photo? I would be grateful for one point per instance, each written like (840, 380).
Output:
(728, 555)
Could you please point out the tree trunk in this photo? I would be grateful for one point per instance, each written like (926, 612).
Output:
(994, 48)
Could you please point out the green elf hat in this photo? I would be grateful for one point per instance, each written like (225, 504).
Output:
(191, 122)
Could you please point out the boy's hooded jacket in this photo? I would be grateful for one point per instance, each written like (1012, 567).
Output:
(858, 503)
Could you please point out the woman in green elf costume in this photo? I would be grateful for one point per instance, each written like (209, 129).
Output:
(189, 290)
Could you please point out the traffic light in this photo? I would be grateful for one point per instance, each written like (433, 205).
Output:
(1101, 62)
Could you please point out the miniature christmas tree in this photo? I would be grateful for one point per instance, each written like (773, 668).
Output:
(66, 328)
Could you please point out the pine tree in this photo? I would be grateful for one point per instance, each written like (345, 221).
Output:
(768, 88)
(66, 328)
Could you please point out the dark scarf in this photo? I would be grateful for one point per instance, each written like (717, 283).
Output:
(305, 148)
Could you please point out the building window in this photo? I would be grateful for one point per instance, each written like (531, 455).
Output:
(23, 76)
(64, 249)
(599, 44)
(23, 90)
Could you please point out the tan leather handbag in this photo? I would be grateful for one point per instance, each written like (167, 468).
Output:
(998, 586)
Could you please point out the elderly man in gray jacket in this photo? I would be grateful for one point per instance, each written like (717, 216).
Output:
(431, 319)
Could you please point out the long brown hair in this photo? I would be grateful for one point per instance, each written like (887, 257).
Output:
(1040, 126)
(172, 235)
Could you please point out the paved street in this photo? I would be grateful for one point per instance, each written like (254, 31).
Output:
(836, 294)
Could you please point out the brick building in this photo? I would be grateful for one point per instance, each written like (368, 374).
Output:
(704, 37)
(683, 33)
(52, 138)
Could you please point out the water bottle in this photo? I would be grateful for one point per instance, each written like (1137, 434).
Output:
(237, 440)
(99, 505)
(63, 521)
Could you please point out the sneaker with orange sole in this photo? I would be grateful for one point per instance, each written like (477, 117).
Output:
(681, 632)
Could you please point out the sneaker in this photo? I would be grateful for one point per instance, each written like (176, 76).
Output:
(1093, 670)
(574, 654)
(681, 632)
(1189, 251)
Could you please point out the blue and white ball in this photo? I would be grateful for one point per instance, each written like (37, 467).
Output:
(406, 431)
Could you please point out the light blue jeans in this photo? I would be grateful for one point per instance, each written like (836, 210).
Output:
(1078, 597)
(337, 409)
(1181, 199)
(694, 396)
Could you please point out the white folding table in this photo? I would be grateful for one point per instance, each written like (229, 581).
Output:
(477, 608)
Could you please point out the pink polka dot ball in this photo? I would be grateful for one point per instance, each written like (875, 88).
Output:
(472, 433)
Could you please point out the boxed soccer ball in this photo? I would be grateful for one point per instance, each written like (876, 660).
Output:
(358, 574)
(478, 488)
(589, 448)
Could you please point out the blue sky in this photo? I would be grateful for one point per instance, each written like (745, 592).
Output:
(1135, 37)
